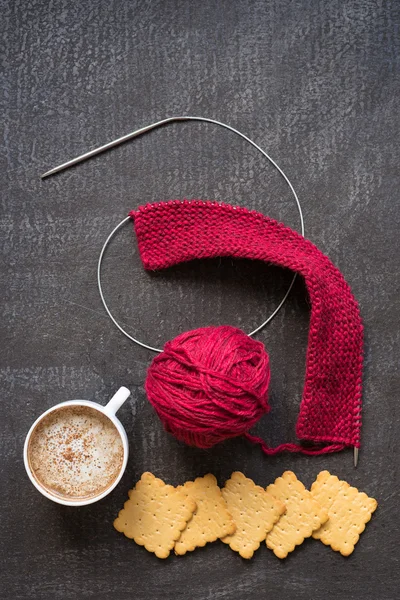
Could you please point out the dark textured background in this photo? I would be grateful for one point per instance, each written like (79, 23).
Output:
(316, 85)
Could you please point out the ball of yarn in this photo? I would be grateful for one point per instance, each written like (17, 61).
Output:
(209, 384)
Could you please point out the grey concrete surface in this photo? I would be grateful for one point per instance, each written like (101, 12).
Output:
(314, 83)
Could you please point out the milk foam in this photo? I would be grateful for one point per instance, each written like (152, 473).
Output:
(76, 452)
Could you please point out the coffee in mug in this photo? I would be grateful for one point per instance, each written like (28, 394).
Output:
(77, 451)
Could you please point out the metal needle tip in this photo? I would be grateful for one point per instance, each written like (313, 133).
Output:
(355, 456)
(48, 173)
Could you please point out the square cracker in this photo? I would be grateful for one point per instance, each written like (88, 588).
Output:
(254, 511)
(303, 515)
(211, 519)
(155, 515)
(349, 510)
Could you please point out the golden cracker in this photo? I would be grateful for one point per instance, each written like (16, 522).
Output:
(349, 511)
(211, 519)
(155, 515)
(303, 515)
(253, 510)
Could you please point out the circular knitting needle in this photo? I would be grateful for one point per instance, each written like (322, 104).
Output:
(145, 129)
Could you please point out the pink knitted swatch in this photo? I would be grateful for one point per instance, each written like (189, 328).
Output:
(177, 231)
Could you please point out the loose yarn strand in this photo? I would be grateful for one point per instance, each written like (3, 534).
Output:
(311, 451)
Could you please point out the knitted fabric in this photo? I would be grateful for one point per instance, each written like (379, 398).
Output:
(330, 411)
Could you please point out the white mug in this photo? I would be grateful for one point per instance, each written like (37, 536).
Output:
(109, 410)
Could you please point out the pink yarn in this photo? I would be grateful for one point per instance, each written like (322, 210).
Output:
(169, 233)
(209, 384)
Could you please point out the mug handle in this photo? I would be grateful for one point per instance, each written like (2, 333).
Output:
(117, 401)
